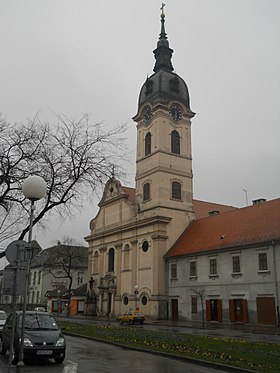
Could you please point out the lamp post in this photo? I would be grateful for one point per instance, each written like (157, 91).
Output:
(33, 188)
(136, 295)
(58, 302)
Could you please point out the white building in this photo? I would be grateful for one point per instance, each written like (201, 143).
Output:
(227, 266)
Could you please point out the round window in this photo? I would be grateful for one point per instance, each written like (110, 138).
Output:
(144, 300)
(125, 300)
(145, 246)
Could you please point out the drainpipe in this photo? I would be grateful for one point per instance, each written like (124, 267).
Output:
(276, 284)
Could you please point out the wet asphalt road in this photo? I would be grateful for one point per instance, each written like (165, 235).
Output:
(86, 356)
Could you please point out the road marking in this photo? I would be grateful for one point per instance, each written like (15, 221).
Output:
(71, 367)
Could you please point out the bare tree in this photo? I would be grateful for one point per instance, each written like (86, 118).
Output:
(73, 156)
(63, 262)
(200, 292)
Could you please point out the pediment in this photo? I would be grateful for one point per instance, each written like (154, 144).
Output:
(114, 191)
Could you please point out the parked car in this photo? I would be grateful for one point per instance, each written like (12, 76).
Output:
(132, 317)
(42, 337)
(3, 317)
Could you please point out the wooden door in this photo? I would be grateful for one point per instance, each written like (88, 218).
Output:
(174, 309)
(266, 310)
(220, 310)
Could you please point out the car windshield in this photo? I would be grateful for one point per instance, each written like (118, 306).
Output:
(39, 322)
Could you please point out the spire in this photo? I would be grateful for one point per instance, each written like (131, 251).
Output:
(162, 34)
(163, 53)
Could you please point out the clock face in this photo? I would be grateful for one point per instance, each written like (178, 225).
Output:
(147, 115)
(175, 112)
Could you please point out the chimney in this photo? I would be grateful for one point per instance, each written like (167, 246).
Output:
(259, 200)
(214, 212)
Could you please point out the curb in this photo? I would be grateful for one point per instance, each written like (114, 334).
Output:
(210, 364)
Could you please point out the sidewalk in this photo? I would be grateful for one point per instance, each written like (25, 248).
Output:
(265, 333)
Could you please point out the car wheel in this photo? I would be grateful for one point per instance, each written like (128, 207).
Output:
(141, 322)
(130, 322)
(59, 360)
(3, 349)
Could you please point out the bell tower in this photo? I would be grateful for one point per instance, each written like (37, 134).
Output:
(134, 228)
(164, 184)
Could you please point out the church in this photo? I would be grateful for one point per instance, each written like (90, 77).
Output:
(135, 228)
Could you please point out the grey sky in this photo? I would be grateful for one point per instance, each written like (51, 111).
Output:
(77, 56)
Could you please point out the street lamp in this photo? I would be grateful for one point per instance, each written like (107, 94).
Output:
(33, 188)
(136, 294)
(58, 302)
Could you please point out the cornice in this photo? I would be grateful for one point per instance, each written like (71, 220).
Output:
(154, 220)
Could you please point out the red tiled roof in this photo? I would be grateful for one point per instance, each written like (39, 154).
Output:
(202, 208)
(130, 192)
(249, 225)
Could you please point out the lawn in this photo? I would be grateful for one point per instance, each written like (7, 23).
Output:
(256, 356)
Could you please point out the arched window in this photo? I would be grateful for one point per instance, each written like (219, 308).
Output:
(111, 260)
(126, 256)
(175, 142)
(95, 262)
(146, 191)
(148, 143)
(176, 190)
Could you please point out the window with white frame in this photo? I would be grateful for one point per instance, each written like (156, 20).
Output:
(263, 262)
(213, 266)
(236, 264)
(173, 270)
(193, 272)
(194, 305)
(80, 277)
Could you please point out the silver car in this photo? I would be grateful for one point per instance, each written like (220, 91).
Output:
(3, 317)
(42, 337)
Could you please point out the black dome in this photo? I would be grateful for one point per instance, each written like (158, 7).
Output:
(164, 86)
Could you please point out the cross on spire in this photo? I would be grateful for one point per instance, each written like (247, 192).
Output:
(162, 8)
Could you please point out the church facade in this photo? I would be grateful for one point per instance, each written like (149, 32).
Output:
(134, 228)
(157, 248)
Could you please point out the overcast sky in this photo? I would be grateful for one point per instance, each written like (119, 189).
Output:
(86, 56)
